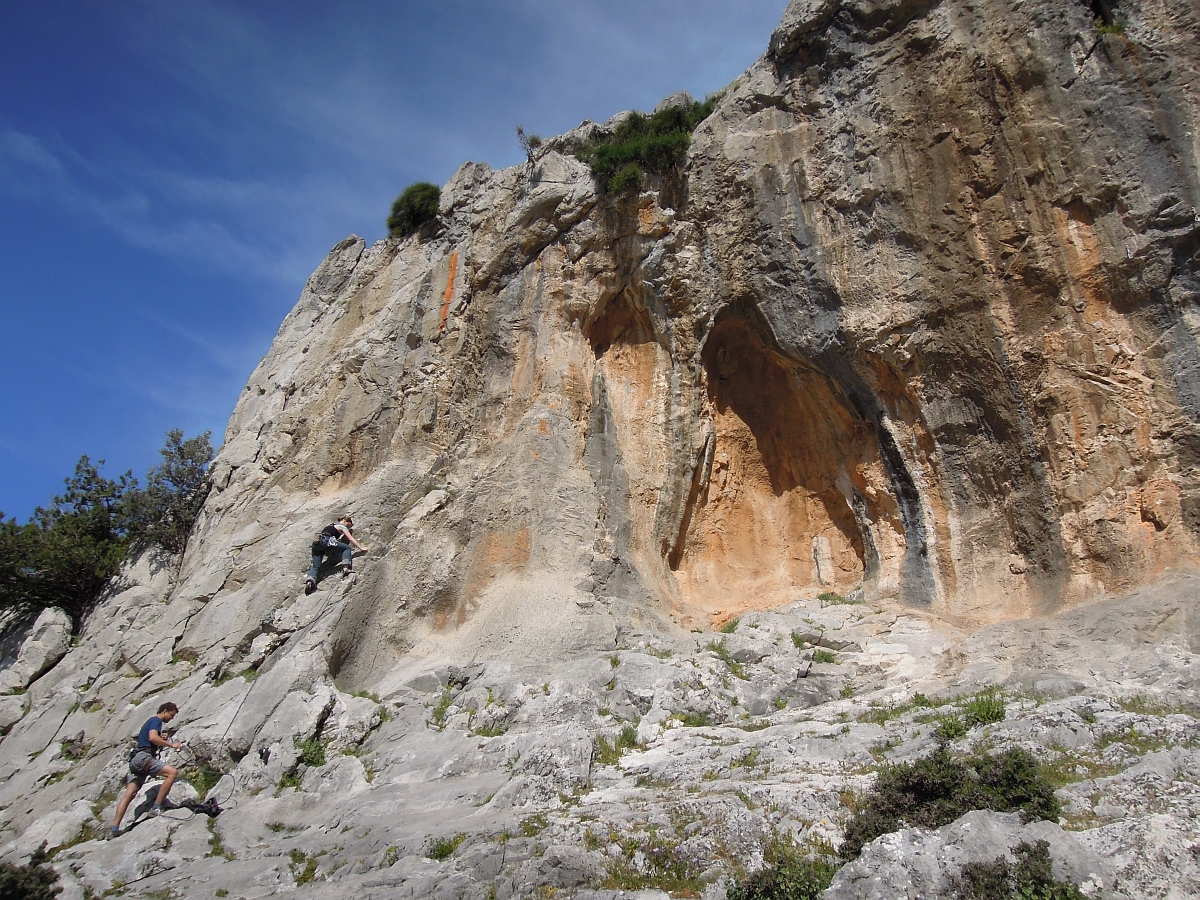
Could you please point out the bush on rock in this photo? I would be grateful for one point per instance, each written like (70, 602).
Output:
(413, 208)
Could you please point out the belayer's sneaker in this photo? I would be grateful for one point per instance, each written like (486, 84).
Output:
(155, 810)
(346, 572)
(309, 586)
(114, 833)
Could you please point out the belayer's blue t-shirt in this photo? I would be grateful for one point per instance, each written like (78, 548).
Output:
(154, 723)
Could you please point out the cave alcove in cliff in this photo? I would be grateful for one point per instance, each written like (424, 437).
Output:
(790, 458)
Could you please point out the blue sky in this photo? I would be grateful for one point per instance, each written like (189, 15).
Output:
(170, 174)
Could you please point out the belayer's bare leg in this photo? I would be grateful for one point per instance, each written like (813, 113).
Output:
(170, 773)
(130, 792)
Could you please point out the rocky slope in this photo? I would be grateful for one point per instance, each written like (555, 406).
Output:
(916, 324)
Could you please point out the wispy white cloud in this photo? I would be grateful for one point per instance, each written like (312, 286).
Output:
(313, 126)
(162, 210)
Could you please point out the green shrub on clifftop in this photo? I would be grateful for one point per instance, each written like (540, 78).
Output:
(656, 143)
(413, 208)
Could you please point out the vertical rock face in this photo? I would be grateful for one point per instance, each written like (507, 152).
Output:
(919, 314)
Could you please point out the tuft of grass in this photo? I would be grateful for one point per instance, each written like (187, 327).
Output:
(881, 715)
(936, 789)
(303, 866)
(984, 708)
(747, 760)
(1147, 706)
(606, 753)
(534, 825)
(73, 750)
(735, 667)
(443, 848)
(653, 860)
(439, 711)
(821, 655)
(730, 627)
(312, 752)
(950, 728)
(203, 779)
(609, 753)
(289, 780)
(832, 598)
(692, 719)
(215, 847)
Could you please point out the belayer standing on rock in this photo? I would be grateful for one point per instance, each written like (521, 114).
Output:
(144, 762)
(333, 538)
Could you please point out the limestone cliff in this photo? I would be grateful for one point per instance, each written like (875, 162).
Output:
(919, 314)
(918, 317)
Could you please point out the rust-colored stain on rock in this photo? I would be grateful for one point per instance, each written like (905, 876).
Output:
(497, 553)
(449, 294)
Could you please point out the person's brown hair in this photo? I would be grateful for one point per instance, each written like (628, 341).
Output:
(168, 707)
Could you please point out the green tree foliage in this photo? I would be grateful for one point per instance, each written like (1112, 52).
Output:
(67, 552)
(32, 881)
(413, 208)
(656, 143)
(164, 512)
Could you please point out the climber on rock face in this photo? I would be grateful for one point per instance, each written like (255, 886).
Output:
(144, 762)
(337, 537)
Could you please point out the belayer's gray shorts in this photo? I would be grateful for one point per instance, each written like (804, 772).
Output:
(143, 765)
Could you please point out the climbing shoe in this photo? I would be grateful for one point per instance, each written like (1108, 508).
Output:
(309, 586)
(114, 833)
(155, 810)
(346, 572)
